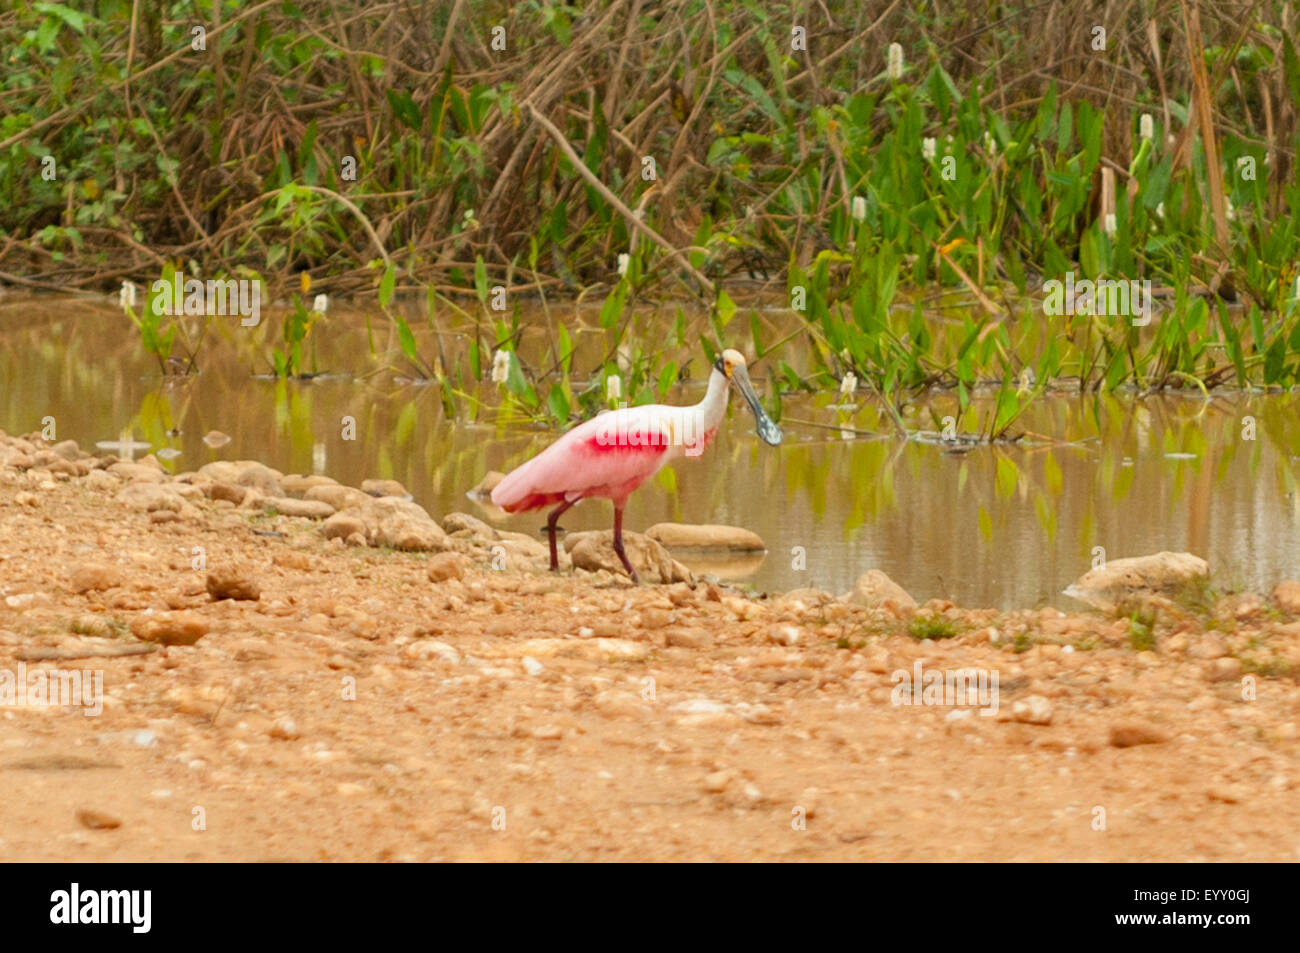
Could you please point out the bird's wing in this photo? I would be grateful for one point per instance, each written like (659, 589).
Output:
(591, 456)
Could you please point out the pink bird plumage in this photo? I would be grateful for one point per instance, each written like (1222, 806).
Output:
(611, 455)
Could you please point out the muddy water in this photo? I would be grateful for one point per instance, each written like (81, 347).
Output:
(1005, 526)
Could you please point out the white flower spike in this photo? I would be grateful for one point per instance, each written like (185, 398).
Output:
(895, 66)
(500, 367)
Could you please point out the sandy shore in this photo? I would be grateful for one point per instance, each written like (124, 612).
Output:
(363, 684)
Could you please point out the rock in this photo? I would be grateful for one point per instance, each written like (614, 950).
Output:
(458, 522)
(445, 566)
(343, 525)
(305, 509)
(595, 551)
(1139, 578)
(876, 590)
(339, 497)
(170, 628)
(432, 648)
(101, 481)
(98, 820)
(293, 560)
(1208, 647)
(705, 536)
(225, 491)
(688, 638)
(285, 730)
(230, 583)
(717, 781)
(532, 666)
(1224, 669)
(137, 472)
(93, 576)
(1034, 710)
(150, 497)
(486, 485)
(67, 449)
(384, 488)
(784, 634)
(653, 618)
(259, 477)
(297, 485)
(1129, 734)
(401, 524)
(1229, 793)
(1286, 596)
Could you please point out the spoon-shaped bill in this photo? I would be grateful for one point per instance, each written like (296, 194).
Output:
(766, 426)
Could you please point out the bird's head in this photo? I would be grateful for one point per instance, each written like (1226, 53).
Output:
(731, 365)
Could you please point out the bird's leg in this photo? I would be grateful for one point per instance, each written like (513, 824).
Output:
(618, 543)
(550, 532)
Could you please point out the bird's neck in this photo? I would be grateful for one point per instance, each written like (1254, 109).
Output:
(714, 405)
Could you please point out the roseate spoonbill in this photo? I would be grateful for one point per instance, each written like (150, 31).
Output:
(612, 454)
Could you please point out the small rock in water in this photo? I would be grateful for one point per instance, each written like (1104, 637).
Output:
(875, 589)
(486, 485)
(1165, 573)
(384, 488)
(691, 536)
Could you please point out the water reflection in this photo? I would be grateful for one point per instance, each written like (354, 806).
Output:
(1006, 525)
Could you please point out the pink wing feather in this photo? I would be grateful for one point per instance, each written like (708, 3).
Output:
(579, 465)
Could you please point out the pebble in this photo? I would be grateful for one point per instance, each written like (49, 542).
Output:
(1034, 710)
(98, 820)
(1224, 669)
(170, 628)
(285, 730)
(446, 566)
(1129, 734)
(230, 583)
(716, 782)
(784, 634)
(93, 577)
